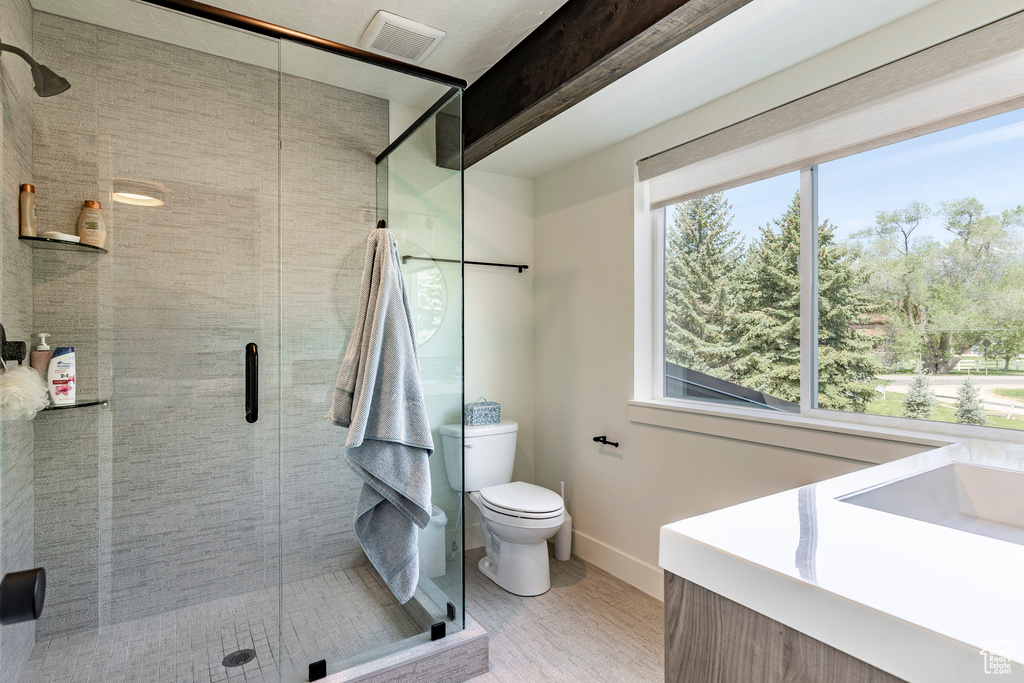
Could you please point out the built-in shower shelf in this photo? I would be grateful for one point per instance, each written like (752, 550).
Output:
(63, 245)
(85, 403)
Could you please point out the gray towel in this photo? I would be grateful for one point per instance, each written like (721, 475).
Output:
(380, 399)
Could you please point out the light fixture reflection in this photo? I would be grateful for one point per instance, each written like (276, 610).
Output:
(137, 199)
(138, 192)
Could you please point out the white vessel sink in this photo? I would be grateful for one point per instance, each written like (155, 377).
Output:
(982, 500)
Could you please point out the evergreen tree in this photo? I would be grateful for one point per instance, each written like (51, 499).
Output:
(767, 330)
(846, 364)
(919, 401)
(701, 256)
(968, 404)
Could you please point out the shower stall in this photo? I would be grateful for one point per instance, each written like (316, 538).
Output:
(196, 522)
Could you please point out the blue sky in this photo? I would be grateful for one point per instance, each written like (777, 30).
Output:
(984, 159)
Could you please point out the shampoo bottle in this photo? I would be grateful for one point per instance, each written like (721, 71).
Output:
(28, 210)
(38, 359)
(91, 227)
(60, 376)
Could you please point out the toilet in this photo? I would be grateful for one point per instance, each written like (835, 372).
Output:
(517, 518)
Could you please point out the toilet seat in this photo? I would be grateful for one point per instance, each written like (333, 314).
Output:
(522, 500)
(497, 518)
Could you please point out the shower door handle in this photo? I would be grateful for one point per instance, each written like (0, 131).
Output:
(252, 383)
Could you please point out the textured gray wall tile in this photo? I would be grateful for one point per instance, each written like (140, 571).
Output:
(66, 513)
(330, 138)
(68, 296)
(16, 438)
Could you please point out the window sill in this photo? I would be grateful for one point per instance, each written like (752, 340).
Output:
(818, 432)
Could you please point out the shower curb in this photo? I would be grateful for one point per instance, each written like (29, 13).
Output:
(453, 659)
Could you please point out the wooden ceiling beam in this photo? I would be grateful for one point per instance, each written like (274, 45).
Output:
(580, 49)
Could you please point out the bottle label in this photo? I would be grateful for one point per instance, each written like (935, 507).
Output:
(62, 374)
(92, 226)
(63, 387)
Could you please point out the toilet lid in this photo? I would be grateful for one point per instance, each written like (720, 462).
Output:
(521, 497)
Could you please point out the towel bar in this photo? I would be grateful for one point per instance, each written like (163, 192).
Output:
(520, 268)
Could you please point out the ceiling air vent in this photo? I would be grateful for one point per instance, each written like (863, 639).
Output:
(395, 36)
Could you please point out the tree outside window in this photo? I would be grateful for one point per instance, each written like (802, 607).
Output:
(920, 282)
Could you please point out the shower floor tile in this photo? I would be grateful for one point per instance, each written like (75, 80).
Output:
(333, 616)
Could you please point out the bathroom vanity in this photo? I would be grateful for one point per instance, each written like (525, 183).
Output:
(912, 571)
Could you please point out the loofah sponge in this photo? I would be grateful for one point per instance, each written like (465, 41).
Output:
(22, 393)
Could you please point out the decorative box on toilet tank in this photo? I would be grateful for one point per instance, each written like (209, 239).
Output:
(482, 412)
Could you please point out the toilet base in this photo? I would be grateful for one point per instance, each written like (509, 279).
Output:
(521, 569)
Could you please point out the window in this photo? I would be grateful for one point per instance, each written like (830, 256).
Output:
(732, 298)
(915, 288)
(930, 230)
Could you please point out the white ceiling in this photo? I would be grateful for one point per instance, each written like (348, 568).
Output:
(480, 32)
(759, 39)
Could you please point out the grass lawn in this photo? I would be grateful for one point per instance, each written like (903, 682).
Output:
(964, 373)
(1010, 393)
(893, 405)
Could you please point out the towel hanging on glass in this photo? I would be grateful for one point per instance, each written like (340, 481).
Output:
(379, 398)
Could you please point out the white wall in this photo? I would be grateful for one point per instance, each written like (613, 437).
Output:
(583, 344)
(499, 310)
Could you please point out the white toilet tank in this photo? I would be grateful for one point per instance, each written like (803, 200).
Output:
(490, 454)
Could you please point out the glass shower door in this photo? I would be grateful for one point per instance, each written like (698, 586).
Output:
(420, 196)
(337, 116)
(194, 510)
(157, 517)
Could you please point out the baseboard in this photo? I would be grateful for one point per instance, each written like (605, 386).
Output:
(648, 578)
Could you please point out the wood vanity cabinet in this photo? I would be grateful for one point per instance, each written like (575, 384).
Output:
(711, 639)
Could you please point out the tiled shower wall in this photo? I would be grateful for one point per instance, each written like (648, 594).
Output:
(330, 139)
(16, 489)
(169, 498)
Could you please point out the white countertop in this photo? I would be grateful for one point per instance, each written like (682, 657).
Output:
(918, 600)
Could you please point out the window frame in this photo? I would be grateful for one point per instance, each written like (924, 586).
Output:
(909, 430)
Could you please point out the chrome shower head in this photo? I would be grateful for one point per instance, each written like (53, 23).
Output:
(47, 83)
